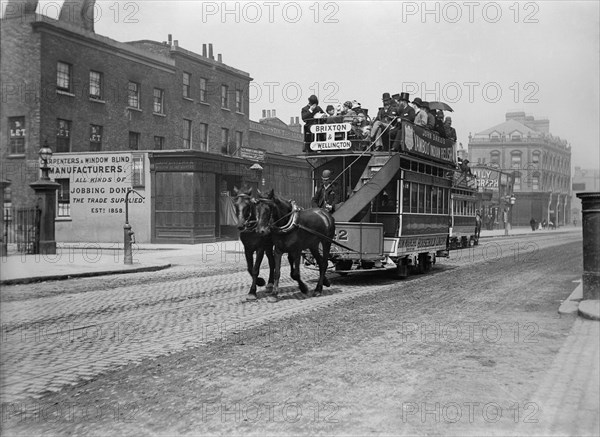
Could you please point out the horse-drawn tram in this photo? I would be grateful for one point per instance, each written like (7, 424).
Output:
(400, 207)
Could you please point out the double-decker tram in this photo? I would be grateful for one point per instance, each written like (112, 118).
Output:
(396, 209)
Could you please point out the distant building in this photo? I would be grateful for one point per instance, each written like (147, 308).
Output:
(539, 162)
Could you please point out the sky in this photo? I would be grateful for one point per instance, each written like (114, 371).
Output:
(483, 58)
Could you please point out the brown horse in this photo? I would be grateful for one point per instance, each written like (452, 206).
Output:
(245, 209)
(294, 230)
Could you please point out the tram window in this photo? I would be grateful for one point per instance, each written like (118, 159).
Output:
(387, 200)
(414, 198)
(406, 197)
(434, 200)
(405, 164)
(414, 166)
(421, 198)
(427, 199)
(428, 169)
(421, 168)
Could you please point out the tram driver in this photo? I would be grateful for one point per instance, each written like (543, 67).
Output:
(327, 195)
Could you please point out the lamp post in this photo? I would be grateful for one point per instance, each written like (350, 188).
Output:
(45, 193)
(258, 169)
(3, 243)
(509, 202)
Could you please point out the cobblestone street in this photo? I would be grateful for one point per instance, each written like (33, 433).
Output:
(53, 342)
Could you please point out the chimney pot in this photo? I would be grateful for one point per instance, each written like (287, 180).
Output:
(264, 113)
(273, 113)
(291, 120)
(297, 120)
(170, 39)
(204, 50)
(210, 51)
(176, 43)
(219, 57)
(268, 113)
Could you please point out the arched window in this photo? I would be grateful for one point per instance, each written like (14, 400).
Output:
(517, 182)
(535, 181)
(535, 157)
(516, 136)
(495, 157)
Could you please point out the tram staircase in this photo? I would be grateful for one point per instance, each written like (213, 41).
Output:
(379, 171)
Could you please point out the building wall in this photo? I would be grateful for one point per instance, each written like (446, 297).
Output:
(20, 73)
(553, 170)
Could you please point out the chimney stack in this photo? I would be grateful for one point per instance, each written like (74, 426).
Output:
(170, 39)
(268, 113)
(291, 120)
(210, 51)
(297, 120)
(264, 113)
(176, 43)
(80, 13)
(273, 113)
(219, 57)
(204, 50)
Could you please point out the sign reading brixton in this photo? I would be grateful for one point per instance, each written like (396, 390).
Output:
(330, 136)
(425, 142)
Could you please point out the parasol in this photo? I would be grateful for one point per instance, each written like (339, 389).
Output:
(440, 106)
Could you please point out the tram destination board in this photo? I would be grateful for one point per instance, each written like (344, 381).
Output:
(330, 136)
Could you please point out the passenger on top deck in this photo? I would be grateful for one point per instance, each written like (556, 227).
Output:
(385, 117)
(310, 114)
(406, 112)
(430, 117)
(347, 112)
(450, 132)
(439, 123)
(330, 111)
(421, 115)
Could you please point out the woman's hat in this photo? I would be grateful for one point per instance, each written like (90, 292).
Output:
(418, 102)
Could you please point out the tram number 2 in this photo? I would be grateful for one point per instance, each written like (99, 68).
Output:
(341, 235)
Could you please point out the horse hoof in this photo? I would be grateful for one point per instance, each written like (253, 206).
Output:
(260, 282)
(272, 299)
(251, 297)
(269, 287)
(326, 282)
(317, 294)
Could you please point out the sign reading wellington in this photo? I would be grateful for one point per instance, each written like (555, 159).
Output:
(96, 184)
(332, 136)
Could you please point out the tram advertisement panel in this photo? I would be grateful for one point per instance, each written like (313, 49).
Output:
(366, 239)
(425, 142)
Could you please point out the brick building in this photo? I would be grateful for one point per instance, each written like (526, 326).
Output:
(121, 108)
(539, 162)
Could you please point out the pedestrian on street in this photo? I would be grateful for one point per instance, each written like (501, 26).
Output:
(532, 223)
(477, 226)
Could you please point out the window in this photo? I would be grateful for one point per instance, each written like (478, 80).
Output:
(187, 134)
(516, 136)
(133, 90)
(434, 200)
(95, 85)
(203, 84)
(515, 159)
(95, 138)
(158, 101)
(225, 141)
(517, 183)
(63, 77)
(414, 199)
(203, 136)
(137, 171)
(495, 157)
(134, 140)
(159, 143)
(224, 96)
(239, 138)
(63, 136)
(187, 78)
(535, 157)
(239, 104)
(16, 135)
(494, 136)
(63, 198)
(406, 197)
(535, 181)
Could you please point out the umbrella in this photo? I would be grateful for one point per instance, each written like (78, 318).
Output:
(440, 105)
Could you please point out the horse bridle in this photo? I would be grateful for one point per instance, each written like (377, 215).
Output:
(249, 225)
